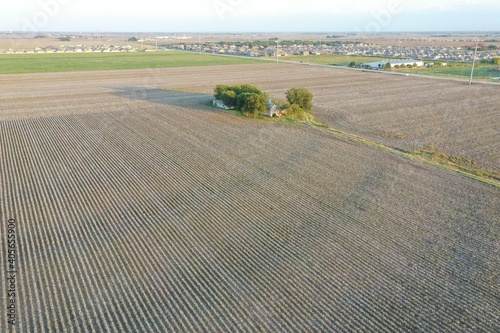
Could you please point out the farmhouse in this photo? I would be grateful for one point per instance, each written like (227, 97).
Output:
(394, 63)
(272, 110)
(219, 104)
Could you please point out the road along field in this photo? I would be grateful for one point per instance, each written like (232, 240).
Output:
(141, 208)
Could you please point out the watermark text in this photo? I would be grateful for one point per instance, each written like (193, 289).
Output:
(11, 272)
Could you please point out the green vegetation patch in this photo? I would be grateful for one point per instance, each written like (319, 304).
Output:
(456, 69)
(459, 162)
(484, 70)
(75, 62)
(252, 102)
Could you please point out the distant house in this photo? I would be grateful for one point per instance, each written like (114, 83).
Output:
(394, 63)
(272, 110)
(219, 104)
(374, 65)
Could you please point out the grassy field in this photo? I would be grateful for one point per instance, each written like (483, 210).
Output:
(45, 63)
(141, 208)
(454, 70)
(457, 70)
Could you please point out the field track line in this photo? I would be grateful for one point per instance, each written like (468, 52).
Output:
(399, 152)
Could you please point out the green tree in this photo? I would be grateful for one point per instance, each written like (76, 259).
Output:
(228, 97)
(254, 104)
(352, 64)
(236, 89)
(248, 88)
(295, 110)
(300, 96)
(219, 89)
(388, 66)
(241, 99)
(281, 104)
(496, 61)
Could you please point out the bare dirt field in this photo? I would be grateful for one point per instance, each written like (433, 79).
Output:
(407, 113)
(141, 208)
(411, 113)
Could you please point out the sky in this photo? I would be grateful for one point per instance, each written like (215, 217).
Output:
(249, 15)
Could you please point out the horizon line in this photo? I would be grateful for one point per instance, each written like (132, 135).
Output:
(97, 31)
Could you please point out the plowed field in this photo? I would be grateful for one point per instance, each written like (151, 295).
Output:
(141, 208)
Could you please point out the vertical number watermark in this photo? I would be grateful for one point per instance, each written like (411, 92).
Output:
(11, 272)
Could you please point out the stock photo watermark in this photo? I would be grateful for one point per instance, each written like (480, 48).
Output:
(11, 260)
(222, 7)
(48, 9)
(382, 18)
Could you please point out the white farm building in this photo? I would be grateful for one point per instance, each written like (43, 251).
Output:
(394, 63)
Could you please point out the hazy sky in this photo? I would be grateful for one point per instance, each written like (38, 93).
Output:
(249, 15)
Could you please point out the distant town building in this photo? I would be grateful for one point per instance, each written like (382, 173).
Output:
(393, 63)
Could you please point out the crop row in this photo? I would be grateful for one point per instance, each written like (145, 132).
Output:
(150, 211)
(129, 222)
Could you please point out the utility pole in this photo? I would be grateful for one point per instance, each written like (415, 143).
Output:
(473, 63)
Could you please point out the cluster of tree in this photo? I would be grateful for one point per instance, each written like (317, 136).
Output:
(483, 48)
(406, 66)
(246, 98)
(251, 101)
(40, 36)
(65, 39)
(388, 66)
(299, 100)
(494, 61)
(133, 39)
